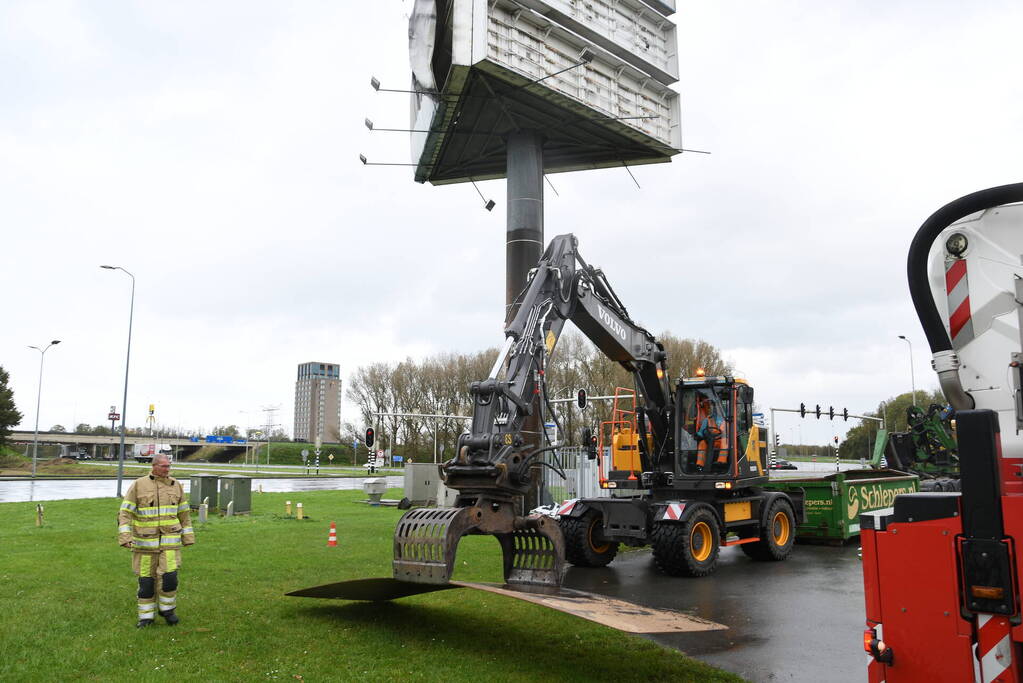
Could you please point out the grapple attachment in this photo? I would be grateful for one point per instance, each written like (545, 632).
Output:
(426, 540)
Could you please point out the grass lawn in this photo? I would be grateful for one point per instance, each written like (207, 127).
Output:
(68, 606)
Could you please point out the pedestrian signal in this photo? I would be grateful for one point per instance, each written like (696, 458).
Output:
(370, 436)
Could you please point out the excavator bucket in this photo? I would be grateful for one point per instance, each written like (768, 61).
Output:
(426, 540)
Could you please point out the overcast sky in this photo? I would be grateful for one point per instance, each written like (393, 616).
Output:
(211, 148)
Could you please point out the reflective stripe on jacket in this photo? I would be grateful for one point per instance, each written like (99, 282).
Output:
(154, 515)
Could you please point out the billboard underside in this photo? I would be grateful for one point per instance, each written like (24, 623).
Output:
(471, 142)
(517, 70)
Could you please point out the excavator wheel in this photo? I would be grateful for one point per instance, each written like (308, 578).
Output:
(689, 548)
(582, 545)
(777, 536)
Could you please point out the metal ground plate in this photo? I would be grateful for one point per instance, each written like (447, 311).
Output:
(617, 614)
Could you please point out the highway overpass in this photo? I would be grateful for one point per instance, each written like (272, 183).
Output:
(108, 445)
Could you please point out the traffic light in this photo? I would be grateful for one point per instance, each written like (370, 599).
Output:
(580, 399)
(818, 411)
(777, 439)
(802, 410)
(831, 412)
(845, 413)
(589, 440)
(370, 436)
(836, 440)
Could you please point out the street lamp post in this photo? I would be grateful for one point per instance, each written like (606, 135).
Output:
(127, 363)
(912, 378)
(39, 394)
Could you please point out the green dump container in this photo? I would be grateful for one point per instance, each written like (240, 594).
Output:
(203, 487)
(834, 502)
(237, 489)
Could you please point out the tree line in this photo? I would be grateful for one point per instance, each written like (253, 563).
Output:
(439, 385)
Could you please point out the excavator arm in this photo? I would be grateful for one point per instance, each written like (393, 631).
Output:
(493, 464)
(495, 457)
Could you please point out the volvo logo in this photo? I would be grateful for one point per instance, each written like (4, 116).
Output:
(611, 323)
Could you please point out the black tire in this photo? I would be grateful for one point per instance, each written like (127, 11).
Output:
(581, 547)
(777, 536)
(689, 548)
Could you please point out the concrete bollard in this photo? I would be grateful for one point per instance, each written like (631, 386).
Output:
(39, 514)
(230, 509)
(287, 508)
(299, 511)
(203, 510)
(260, 488)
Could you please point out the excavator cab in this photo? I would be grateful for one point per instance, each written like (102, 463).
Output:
(716, 436)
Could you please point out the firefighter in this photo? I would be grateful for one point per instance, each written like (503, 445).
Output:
(154, 522)
(709, 434)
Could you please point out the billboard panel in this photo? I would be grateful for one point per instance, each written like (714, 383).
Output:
(626, 28)
(592, 77)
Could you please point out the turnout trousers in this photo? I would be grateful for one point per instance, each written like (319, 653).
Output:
(158, 580)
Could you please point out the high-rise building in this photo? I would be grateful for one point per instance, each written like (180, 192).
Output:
(318, 402)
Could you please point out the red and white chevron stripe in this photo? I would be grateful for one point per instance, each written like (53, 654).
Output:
(567, 506)
(674, 511)
(957, 287)
(994, 650)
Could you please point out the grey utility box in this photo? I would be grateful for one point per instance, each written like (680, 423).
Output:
(237, 489)
(421, 482)
(425, 486)
(203, 486)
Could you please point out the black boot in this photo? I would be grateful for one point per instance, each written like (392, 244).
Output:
(172, 619)
(143, 623)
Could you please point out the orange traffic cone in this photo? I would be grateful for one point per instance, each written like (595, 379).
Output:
(332, 536)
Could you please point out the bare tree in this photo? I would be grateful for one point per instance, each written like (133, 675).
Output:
(439, 385)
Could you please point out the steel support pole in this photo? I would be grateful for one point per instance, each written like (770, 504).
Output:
(523, 247)
(524, 239)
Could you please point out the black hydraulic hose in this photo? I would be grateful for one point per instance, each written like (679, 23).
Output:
(919, 289)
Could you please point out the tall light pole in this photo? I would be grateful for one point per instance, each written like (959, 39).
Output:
(39, 394)
(127, 362)
(912, 379)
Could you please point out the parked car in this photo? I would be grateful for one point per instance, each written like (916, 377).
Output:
(780, 464)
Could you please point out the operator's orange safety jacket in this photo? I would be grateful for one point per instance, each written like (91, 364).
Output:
(710, 435)
(154, 515)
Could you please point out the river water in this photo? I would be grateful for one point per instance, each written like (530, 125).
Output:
(63, 489)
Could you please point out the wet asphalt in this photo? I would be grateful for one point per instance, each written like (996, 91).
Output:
(797, 620)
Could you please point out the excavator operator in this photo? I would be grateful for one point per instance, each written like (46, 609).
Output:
(710, 434)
